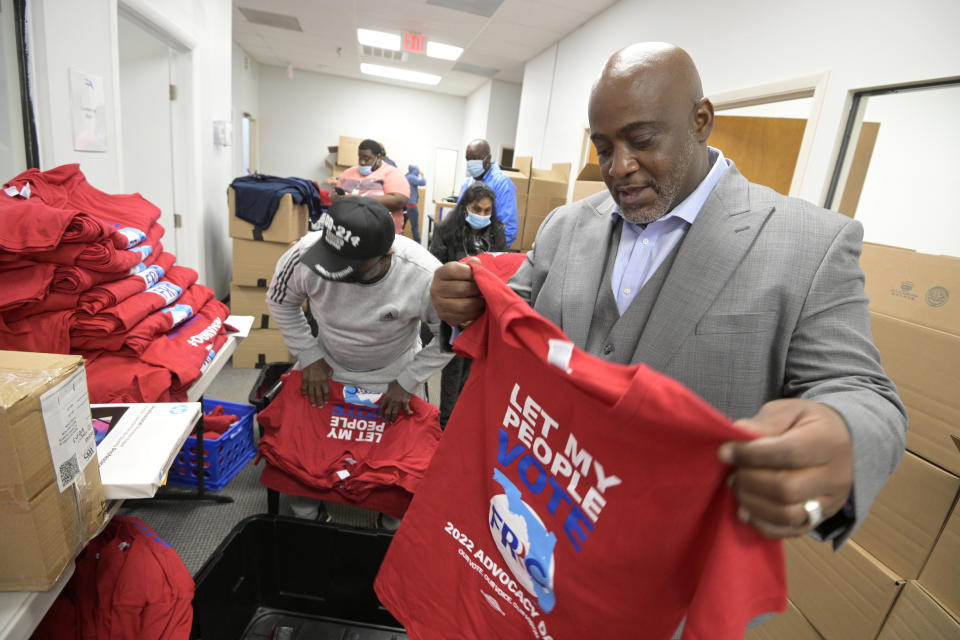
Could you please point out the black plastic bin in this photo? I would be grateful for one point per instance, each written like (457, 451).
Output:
(274, 571)
(268, 384)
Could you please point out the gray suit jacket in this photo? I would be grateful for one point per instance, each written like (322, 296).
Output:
(764, 300)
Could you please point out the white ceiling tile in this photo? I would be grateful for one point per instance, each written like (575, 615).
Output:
(518, 31)
(546, 15)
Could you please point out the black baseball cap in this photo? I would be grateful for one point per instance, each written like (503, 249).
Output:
(355, 229)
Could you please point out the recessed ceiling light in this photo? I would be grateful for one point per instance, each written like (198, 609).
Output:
(443, 51)
(380, 39)
(395, 73)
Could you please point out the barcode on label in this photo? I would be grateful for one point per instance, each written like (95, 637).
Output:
(69, 470)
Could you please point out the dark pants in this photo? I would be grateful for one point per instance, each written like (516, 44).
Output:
(413, 215)
(452, 379)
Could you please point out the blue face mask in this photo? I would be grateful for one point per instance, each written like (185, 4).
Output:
(475, 168)
(478, 222)
(364, 170)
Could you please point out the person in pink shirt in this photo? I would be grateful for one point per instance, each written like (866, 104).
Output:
(374, 178)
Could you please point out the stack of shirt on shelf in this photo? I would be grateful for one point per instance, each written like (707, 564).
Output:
(345, 451)
(129, 583)
(85, 272)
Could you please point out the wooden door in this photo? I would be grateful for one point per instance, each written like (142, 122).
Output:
(765, 150)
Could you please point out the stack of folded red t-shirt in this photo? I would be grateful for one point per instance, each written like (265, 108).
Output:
(345, 451)
(87, 274)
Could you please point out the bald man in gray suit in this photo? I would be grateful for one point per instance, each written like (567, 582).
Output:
(752, 299)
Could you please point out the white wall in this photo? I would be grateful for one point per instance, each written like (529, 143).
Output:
(145, 122)
(908, 198)
(74, 35)
(503, 111)
(12, 158)
(302, 116)
(738, 44)
(491, 114)
(246, 98)
(83, 34)
(535, 99)
(475, 115)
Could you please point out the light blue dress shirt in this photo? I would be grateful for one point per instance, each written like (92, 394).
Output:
(643, 248)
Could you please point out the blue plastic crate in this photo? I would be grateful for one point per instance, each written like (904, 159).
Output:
(223, 457)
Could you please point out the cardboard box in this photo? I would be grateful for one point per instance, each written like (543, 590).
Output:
(288, 225)
(348, 151)
(254, 262)
(907, 516)
(28, 383)
(589, 181)
(530, 226)
(548, 190)
(262, 346)
(251, 301)
(335, 169)
(917, 616)
(941, 575)
(917, 287)
(520, 174)
(844, 594)
(51, 500)
(924, 363)
(789, 625)
(43, 536)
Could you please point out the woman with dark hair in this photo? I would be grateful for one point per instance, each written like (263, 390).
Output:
(470, 229)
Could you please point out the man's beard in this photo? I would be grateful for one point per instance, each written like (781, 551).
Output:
(667, 191)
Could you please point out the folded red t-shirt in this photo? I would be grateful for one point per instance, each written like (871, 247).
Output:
(29, 225)
(110, 293)
(66, 186)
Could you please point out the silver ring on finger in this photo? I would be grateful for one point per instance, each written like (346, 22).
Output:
(814, 512)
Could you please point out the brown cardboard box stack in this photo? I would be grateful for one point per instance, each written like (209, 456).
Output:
(42, 527)
(589, 181)
(255, 256)
(547, 190)
(346, 152)
(899, 577)
(520, 176)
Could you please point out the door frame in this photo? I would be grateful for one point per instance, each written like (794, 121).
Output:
(809, 86)
(184, 124)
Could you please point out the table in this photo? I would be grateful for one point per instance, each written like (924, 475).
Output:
(437, 216)
(22, 611)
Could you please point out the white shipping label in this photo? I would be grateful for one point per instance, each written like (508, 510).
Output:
(66, 416)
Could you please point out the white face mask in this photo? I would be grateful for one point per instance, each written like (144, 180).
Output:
(475, 168)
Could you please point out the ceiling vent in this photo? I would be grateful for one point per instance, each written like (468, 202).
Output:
(475, 69)
(268, 19)
(485, 8)
(383, 54)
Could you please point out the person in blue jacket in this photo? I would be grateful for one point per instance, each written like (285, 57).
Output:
(481, 168)
(416, 179)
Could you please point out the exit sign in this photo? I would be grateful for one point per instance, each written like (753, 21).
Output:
(414, 42)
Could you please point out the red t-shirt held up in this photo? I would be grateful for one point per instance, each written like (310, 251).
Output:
(574, 498)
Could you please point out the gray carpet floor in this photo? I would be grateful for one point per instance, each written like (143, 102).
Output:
(194, 528)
